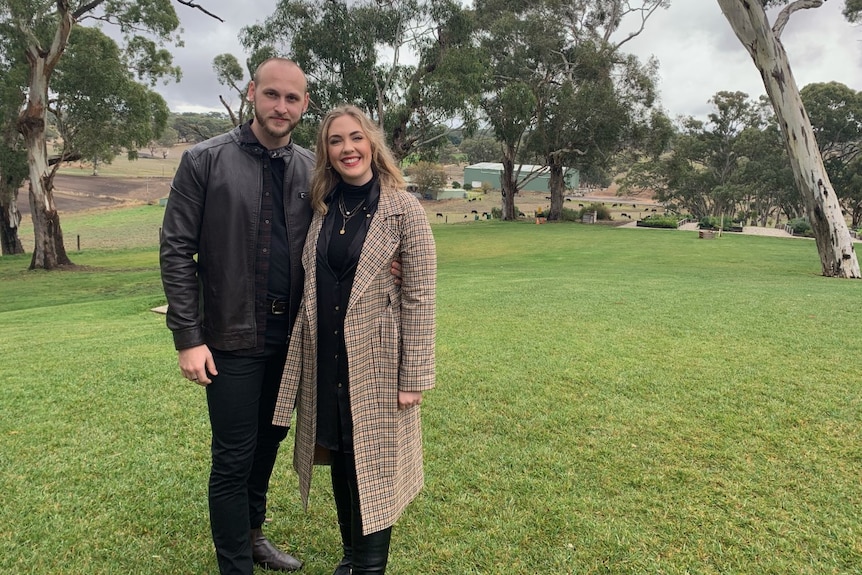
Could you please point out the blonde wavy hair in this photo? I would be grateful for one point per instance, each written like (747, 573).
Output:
(383, 162)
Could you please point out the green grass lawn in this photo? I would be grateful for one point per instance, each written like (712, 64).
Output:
(608, 400)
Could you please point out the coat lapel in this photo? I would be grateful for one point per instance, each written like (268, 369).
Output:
(380, 246)
(309, 263)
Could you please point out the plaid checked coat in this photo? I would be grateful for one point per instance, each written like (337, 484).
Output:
(389, 333)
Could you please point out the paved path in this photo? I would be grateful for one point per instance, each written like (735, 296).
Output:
(749, 230)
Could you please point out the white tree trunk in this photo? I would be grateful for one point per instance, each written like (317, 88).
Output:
(48, 249)
(834, 244)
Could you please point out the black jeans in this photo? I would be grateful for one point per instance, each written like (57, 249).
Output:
(366, 554)
(241, 401)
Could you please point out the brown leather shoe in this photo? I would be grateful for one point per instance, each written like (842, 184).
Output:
(269, 556)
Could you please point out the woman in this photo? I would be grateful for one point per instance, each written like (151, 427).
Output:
(362, 350)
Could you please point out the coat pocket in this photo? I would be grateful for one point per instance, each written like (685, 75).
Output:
(386, 357)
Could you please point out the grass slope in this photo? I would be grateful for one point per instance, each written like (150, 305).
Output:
(618, 401)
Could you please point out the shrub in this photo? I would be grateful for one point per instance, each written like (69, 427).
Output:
(468, 186)
(456, 185)
(659, 221)
(714, 223)
(570, 215)
(496, 213)
(800, 227)
(602, 211)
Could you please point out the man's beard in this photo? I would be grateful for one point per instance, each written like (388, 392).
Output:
(275, 133)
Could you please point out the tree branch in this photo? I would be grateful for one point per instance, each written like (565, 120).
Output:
(191, 4)
(645, 12)
(86, 8)
(784, 16)
(229, 110)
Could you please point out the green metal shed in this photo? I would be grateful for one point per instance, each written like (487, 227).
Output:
(490, 172)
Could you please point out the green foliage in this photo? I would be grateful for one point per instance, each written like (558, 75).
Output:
(100, 109)
(344, 46)
(834, 111)
(197, 127)
(659, 221)
(468, 186)
(570, 215)
(480, 149)
(169, 138)
(602, 211)
(428, 177)
(714, 223)
(733, 162)
(13, 156)
(801, 227)
(229, 73)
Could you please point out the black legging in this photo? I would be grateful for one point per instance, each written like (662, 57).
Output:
(367, 554)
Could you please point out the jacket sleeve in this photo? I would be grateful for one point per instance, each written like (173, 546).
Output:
(179, 245)
(418, 300)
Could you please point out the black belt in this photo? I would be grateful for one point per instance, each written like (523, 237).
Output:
(277, 306)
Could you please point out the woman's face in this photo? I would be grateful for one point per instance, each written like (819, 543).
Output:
(349, 150)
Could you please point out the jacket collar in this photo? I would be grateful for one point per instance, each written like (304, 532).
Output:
(249, 142)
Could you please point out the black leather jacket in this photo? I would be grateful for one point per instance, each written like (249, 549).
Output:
(208, 242)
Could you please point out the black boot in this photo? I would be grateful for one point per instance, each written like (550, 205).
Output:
(341, 494)
(366, 554)
(269, 556)
(371, 552)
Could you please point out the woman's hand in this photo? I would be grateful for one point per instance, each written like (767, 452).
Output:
(409, 399)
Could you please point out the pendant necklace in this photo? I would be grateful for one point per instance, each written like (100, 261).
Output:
(346, 214)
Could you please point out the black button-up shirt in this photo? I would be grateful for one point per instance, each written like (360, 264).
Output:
(272, 249)
(337, 258)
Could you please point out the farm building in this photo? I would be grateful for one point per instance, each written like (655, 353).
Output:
(490, 172)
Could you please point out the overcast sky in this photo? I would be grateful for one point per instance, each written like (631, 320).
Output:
(695, 46)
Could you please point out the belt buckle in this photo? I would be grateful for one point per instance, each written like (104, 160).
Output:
(278, 307)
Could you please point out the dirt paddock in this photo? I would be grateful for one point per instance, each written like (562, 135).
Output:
(81, 193)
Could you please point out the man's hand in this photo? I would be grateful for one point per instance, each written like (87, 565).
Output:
(197, 364)
(409, 399)
(395, 270)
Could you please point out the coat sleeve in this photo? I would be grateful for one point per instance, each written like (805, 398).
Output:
(179, 245)
(418, 300)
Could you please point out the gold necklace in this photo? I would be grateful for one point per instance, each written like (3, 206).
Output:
(347, 215)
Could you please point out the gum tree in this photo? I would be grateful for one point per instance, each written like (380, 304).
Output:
(40, 31)
(101, 110)
(13, 160)
(558, 86)
(836, 114)
(409, 64)
(751, 25)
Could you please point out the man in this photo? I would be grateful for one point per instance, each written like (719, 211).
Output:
(233, 233)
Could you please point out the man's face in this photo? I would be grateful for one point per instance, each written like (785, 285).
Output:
(279, 97)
